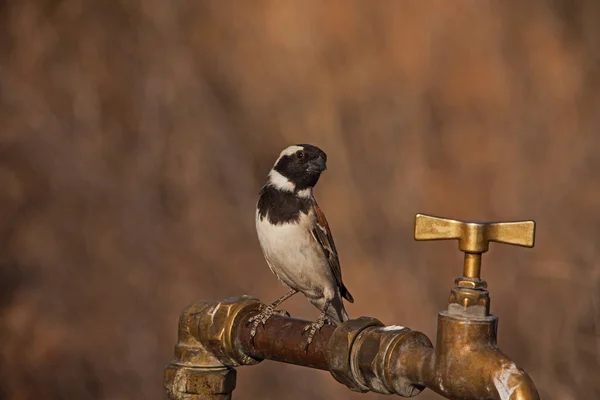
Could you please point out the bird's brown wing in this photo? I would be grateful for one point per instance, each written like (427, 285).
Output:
(322, 233)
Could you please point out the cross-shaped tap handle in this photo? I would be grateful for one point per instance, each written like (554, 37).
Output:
(474, 237)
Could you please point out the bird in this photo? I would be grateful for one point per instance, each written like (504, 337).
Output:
(296, 239)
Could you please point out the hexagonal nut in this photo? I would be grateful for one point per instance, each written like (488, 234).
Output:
(198, 383)
(216, 326)
(469, 301)
(340, 347)
(470, 283)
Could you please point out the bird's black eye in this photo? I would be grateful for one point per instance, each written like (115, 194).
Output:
(300, 155)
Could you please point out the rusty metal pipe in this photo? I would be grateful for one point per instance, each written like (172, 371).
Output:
(281, 339)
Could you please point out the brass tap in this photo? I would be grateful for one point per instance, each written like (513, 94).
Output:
(466, 362)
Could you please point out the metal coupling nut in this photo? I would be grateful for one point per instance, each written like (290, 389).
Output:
(339, 349)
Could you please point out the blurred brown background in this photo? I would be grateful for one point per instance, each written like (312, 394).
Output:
(135, 136)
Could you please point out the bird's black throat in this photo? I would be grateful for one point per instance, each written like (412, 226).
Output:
(280, 206)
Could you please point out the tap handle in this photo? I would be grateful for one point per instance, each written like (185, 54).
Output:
(474, 237)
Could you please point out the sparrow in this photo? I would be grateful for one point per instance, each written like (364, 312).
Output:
(296, 239)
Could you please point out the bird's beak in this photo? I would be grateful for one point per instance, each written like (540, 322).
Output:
(317, 165)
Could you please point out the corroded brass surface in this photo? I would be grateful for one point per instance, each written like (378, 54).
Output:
(188, 351)
(340, 347)
(217, 325)
(195, 373)
(188, 383)
(469, 301)
(467, 364)
(374, 354)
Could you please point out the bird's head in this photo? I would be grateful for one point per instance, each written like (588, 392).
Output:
(298, 168)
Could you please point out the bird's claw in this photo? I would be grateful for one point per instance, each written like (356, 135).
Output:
(313, 328)
(263, 316)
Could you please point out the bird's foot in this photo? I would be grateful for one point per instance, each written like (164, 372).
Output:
(262, 317)
(313, 328)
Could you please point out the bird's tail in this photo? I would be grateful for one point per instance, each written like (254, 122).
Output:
(346, 294)
(336, 311)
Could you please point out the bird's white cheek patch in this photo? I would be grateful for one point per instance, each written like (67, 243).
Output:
(280, 181)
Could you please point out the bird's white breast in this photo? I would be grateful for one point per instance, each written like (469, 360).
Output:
(294, 255)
